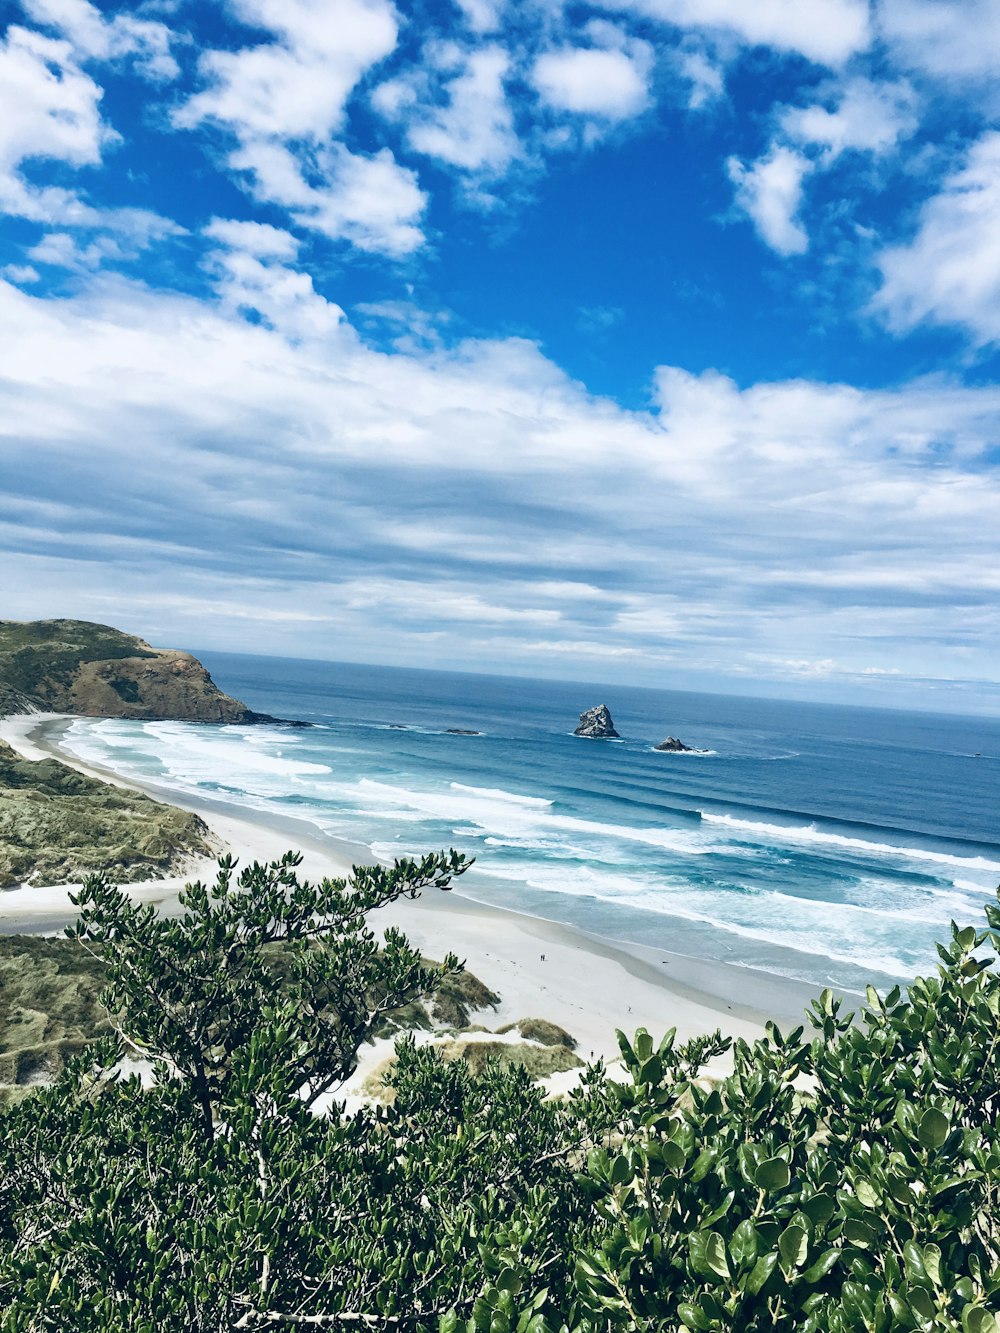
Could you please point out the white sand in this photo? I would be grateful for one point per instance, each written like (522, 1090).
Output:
(540, 969)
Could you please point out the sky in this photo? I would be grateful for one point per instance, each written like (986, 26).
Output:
(645, 341)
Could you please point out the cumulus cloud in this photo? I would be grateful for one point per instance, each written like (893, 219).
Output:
(483, 15)
(769, 191)
(866, 116)
(949, 273)
(254, 238)
(705, 76)
(297, 85)
(370, 201)
(592, 81)
(455, 109)
(284, 100)
(956, 42)
(95, 37)
(826, 31)
(49, 109)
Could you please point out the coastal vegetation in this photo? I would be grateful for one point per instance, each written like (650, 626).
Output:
(842, 1179)
(57, 825)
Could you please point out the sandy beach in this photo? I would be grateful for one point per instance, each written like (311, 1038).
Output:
(539, 968)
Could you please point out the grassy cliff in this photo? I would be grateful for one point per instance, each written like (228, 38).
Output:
(57, 825)
(75, 666)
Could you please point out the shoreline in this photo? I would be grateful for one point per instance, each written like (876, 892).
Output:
(540, 968)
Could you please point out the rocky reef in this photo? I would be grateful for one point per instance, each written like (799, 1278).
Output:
(75, 666)
(57, 825)
(672, 743)
(596, 723)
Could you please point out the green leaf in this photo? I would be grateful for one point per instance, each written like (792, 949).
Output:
(913, 1257)
(933, 1128)
(819, 1209)
(673, 1155)
(715, 1255)
(760, 1273)
(793, 1244)
(977, 1320)
(859, 1233)
(817, 1271)
(866, 1193)
(932, 1263)
(692, 1315)
(921, 1303)
(743, 1245)
(719, 1210)
(621, 1171)
(773, 1174)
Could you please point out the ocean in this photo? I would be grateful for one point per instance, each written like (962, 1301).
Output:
(824, 843)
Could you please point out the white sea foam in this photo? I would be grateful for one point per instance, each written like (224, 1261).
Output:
(685, 754)
(498, 794)
(810, 835)
(815, 929)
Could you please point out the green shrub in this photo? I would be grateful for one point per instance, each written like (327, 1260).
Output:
(836, 1182)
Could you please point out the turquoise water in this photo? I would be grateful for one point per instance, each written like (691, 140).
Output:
(825, 843)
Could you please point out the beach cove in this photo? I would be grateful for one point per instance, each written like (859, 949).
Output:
(538, 968)
(589, 914)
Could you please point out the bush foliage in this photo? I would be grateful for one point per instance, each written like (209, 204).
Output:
(845, 1179)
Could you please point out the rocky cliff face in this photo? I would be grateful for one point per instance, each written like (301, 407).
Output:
(75, 666)
(596, 723)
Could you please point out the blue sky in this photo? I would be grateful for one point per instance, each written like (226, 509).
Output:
(651, 340)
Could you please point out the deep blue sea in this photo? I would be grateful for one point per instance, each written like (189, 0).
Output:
(826, 843)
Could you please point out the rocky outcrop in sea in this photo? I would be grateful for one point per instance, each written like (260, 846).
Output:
(596, 724)
(672, 743)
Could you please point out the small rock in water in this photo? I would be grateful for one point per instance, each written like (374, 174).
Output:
(461, 731)
(596, 723)
(672, 743)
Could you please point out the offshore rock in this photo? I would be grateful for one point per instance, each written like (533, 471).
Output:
(672, 743)
(75, 666)
(596, 723)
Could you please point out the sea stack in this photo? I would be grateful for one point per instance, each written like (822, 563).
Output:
(672, 743)
(596, 723)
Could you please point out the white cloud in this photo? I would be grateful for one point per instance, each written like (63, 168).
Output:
(950, 272)
(591, 81)
(705, 77)
(251, 277)
(283, 100)
(94, 37)
(49, 109)
(769, 191)
(372, 202)
(474, 128)
(869, 117)
(296, 87)
(483, 15)
(254, 238)
(286, 467)
(20, 273)
(117, 236)
(826, 31)
(955, 40)
(60, 249)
